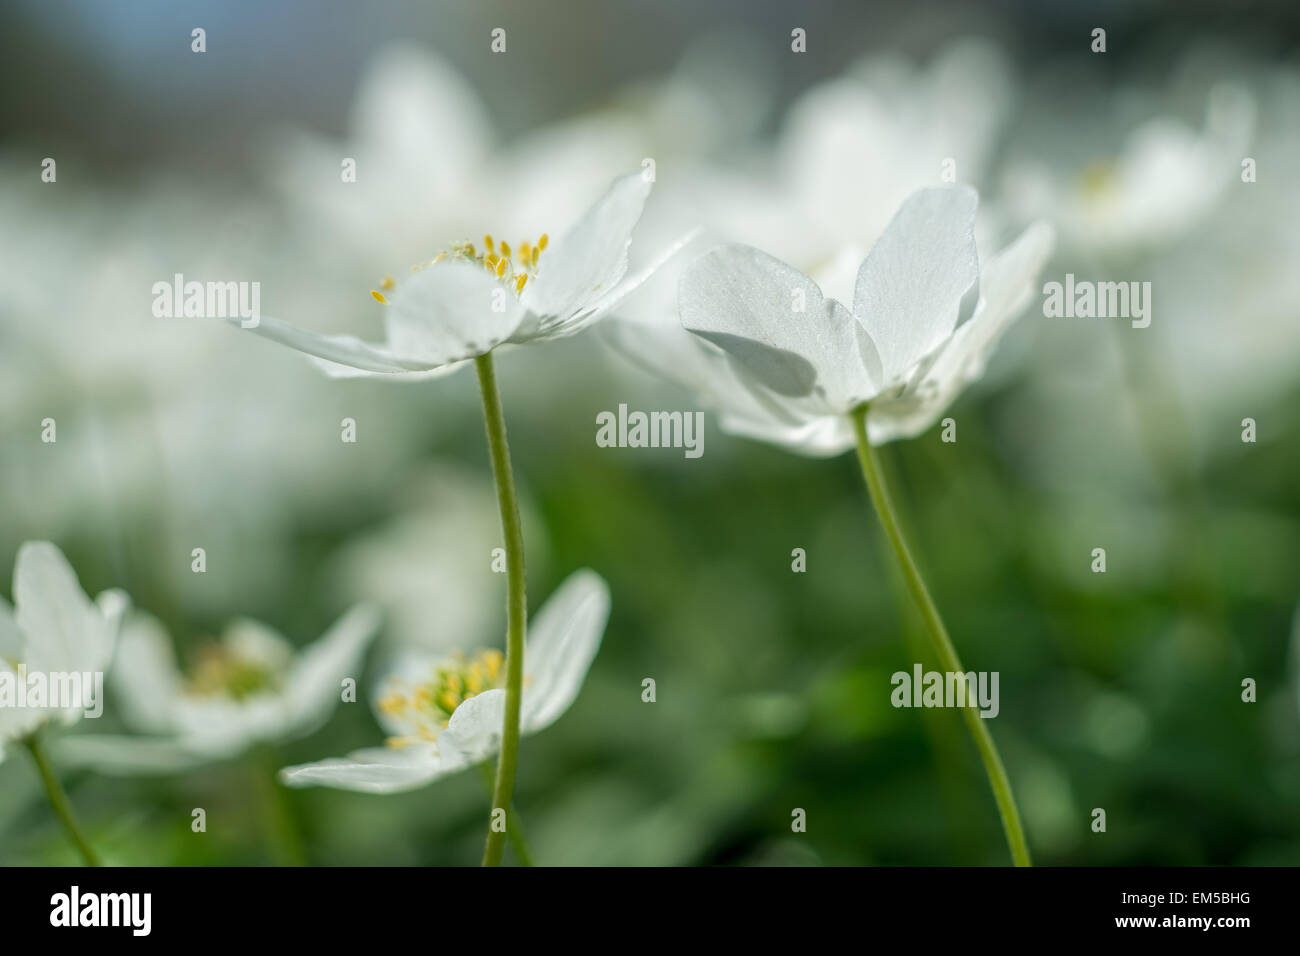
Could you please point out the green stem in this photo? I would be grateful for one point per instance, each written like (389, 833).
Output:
(516, 600)
(518, 840)
(59, 801)
(514, 826)
(277, 819)
(988, 751)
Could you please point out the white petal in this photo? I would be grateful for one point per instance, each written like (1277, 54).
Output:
(591, 258)
(16, 722)
(258, 644)
(146, 679)
(413, 110)
(448, 312)
(774, 320)
(912, 282)
(220, 727)
(590, 314)
(823, 437)
(666, 350)
(335, 370)
(744, 406)
(113, 606)
(11, 638)
(117, 754)
(562, 642)
(372, 770)
(1007, 284)
(474, 730)
(63, 630)
(334, 353)
(314, 684)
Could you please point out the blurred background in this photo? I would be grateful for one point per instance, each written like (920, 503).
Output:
(1119, 691)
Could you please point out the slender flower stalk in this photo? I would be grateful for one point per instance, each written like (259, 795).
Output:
(518, 839)
(514, 826)
(988, 751)
(59, 801)
(516, 598)
(282, 831)
(458, 306)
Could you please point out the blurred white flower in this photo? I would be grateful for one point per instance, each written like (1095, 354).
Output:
(710, 104)
(52, 629)
(169, 435)
(428, 160)
(1232, 292)
(467, 301)
(445, 715)
(851, 149)
(419, 137)
(1223, 343)
(250, 687)
(1153, 187)
(430, 566)
(783, 363)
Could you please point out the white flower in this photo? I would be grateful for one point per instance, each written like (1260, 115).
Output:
(787, 364)
(853, 148)
(850, 149)
(446, 715)
(420, 138)
(1153, 187)
(467, 301)
(248, 688)
(53, 629)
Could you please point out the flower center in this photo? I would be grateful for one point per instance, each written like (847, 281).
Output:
(1098, 179)
(514, 267)
(428, 706)
(219, 670)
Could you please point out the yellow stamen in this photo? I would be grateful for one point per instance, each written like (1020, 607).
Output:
(505, 249)
(519, 282)
(500, 269)
(378, 296)
(487, 241)
(388, 284)
(542, 242)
